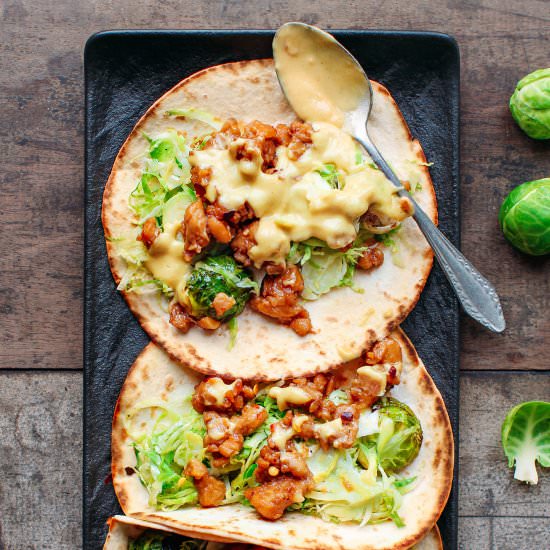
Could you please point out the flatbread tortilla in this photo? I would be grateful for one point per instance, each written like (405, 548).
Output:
(122, 529)
(432, 541)
(154, 377)
(345, 322)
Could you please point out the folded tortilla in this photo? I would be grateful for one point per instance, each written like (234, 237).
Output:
(123, 529)
(155, 379)
(345, 322)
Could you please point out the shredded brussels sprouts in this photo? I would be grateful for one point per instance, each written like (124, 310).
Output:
(166, 173)
(137, 278)
(360, 484)
(162, 455)
(233, 326)
(399, 436)
(195, 113)
(389, 239)
(325, 268)
(332, 176)
(154, 540)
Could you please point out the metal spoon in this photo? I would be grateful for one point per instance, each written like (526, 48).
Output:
(476, 294)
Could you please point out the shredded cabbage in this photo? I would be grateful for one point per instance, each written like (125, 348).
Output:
(351, 493)
(195, 113)
(338, 397)
(390, 239)
(163, 191)
(331, 175)
(161, 458)
(166, 173)
(233, 326)
(322, 463)
(350, 484)
(325, 268)
(137, 278)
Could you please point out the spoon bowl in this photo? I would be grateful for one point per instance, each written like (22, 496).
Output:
(337, 90)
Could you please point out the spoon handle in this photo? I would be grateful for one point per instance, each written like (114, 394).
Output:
(476, 294)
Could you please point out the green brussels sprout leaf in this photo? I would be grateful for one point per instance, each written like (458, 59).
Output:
(524, 217)
(530, 104)
(217, 274)
(526, 439)
(400, 437)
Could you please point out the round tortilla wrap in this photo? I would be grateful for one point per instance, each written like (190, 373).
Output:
(122, 529)
(345, 322)
(154, 377)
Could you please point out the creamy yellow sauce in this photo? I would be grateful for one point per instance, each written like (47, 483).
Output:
(373, 378)
(281, 435)
(290, 395)
(295, 203)
(320, 81)
(215, 390)
(166, 261)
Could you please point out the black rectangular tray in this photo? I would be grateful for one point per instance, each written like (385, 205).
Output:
(125, 72)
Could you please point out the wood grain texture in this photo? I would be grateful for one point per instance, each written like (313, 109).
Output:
(40, 459)
(41, 166)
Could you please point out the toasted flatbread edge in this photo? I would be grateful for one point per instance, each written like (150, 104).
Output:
(440, 474)
(274, 369)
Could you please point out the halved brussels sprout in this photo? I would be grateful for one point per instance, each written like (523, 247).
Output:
(400, 437)
(214, 275)
(530, 104)
(524, 217)
(526, 439)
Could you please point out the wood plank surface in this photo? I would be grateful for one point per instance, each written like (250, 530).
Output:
(40, 460)
(41, 179)
(41, 448)
(41, 136)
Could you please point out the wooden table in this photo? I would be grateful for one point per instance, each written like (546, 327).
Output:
(41, 144)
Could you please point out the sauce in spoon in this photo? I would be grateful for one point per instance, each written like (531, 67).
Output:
(320, 80)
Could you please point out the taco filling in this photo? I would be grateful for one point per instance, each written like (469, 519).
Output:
(255, 214)
(127, 533)
(334, 446)
(157, 540)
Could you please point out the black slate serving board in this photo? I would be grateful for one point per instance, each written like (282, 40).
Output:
(126, 71)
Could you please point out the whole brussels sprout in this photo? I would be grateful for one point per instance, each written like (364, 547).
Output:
(217, 274)
(400, 437)
(524, 217)
(530, 104)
